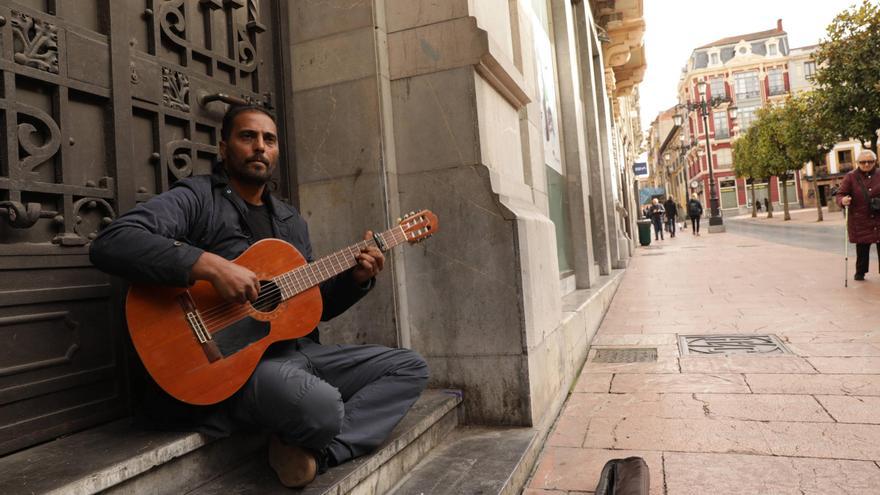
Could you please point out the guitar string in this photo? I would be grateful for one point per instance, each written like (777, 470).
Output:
(221, 310)
(213, 311)
(232, 312)
(227, 313)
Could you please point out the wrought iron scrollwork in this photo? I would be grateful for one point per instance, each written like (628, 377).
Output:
(84, 230)
(175, 89)
(247, 54)
(172, 21)
(24, 216)
(179, 163)
(35, 42)
(37, 153)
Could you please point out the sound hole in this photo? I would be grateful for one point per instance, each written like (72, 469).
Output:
(269, 298)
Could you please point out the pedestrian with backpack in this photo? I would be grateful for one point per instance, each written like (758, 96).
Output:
(695, 211)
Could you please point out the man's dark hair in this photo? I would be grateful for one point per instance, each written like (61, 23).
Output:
(233, 112)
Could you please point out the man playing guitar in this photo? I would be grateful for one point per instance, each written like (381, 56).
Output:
(323, 404)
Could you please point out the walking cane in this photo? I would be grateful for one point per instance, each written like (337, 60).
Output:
(845, 247)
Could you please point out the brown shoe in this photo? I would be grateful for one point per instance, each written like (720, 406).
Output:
(296, 467)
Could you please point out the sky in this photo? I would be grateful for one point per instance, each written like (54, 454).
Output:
(675, 27)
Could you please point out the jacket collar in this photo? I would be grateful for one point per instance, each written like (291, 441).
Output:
(219, 179)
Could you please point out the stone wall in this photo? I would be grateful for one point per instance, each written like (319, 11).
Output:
(401, 105)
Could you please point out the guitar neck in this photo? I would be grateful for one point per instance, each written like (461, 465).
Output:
(307, 276)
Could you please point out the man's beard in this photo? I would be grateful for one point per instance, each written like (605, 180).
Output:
(244, 174)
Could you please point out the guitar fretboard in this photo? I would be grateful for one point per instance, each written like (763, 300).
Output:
(307, 276)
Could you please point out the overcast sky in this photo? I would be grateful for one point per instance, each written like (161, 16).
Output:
(675, 27)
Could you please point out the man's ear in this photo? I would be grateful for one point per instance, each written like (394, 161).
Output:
(223, 151)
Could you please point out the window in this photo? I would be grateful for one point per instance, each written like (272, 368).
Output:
(790, 190)
(728, 194)
(771, 50)
(716, 88)
(809, 69)
(720, 119)
(777, 81)
(714, 59)
(746, 85)
(745, 116)
(844, 160)
(558, 202)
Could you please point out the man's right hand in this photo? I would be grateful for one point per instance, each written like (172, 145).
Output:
(846, 200)
(233, 282)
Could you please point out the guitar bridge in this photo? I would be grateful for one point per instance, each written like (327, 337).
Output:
(198, 327)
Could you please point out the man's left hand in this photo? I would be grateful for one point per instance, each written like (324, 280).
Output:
(369, 262)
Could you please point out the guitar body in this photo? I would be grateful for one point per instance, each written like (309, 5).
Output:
(202, 373)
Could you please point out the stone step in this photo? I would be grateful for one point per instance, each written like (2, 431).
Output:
(475, 460)
(119, 458)
(427, 424)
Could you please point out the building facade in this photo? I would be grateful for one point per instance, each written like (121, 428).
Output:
(747, 72)
(516, 122)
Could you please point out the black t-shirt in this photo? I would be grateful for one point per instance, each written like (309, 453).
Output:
(259, 220)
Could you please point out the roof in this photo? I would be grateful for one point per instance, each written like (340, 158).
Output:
(731, 40)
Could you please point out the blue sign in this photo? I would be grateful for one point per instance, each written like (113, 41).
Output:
(640, 168)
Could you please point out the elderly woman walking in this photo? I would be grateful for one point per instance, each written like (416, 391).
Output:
(860, 192)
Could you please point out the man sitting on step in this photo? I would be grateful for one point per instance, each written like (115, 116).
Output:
(323, 404)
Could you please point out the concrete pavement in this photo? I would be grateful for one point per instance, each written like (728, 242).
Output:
(806, 422)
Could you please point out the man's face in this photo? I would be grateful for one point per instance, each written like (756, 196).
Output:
(866, 162)
(251, 153)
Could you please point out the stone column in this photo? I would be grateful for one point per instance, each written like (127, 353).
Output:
(346, 164)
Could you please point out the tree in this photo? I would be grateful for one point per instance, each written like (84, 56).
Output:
(848, 73)
(808, 134)
(771, 148)
(746, 163)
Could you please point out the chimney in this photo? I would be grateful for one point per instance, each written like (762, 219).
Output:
(779, 24)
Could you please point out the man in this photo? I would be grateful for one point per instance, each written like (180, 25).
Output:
(671, 214)
(860, 189)
(323, 404)
(695, 211)
(656, 212)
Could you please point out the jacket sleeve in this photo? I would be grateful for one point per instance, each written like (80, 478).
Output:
(148, 244)
(340, 292)
(845, 189)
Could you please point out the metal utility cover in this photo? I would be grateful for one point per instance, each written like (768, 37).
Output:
(707, 345)
(625, 355)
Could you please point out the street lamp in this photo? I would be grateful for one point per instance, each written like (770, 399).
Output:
(716, 224)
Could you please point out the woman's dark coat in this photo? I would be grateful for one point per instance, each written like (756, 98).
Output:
(864, 225)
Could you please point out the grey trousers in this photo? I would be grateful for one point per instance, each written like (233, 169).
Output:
(338, 400)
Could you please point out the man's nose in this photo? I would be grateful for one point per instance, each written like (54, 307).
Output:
(259, 144)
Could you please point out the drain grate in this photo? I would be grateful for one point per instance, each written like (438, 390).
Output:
(625, 355)
(730, 344)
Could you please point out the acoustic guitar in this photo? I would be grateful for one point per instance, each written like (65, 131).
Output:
(201, 348)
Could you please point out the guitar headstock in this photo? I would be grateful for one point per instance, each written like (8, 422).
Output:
(419, 225)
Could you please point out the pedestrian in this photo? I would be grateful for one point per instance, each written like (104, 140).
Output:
(767, 204)
(860, 192)
(758, 205)
(695, 211)
(671, 213)
(322, 404)
(656, 212)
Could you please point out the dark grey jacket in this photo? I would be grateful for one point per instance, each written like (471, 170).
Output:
(157, 242)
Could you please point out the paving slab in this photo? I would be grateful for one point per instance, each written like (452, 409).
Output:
(852, 409)
(736, 474)
(814, 384)
(683, 383)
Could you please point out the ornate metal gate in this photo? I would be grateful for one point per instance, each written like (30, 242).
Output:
(104, 103)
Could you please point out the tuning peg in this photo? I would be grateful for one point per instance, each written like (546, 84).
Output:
(399, 219)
